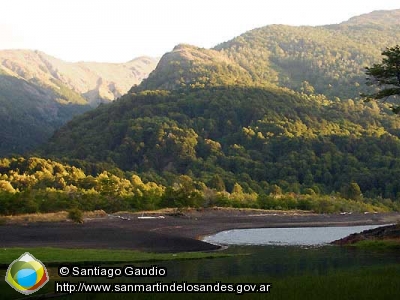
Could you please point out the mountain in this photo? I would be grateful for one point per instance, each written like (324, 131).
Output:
(275, 107)
(190, 66)
(39, 93)
(95, 82)
(256, 137)
(327, 60)
(379, 18)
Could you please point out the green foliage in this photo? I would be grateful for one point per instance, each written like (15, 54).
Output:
(256, 137)
(269, 119)
(217, 183)
(325, 60)
(352, 191)
(378, 244)
(182, 194)
(192, 67)
(76, 215)
(386, 76)
(43, 185)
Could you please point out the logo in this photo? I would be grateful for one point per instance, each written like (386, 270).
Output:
(27, 274)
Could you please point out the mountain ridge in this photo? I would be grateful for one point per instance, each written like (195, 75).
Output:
(327, 59)
(81, 77)
(377, 17)
(39, 93)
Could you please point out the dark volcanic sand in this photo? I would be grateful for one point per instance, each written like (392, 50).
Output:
(171, 234)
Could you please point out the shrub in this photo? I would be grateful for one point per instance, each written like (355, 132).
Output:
(75, 215)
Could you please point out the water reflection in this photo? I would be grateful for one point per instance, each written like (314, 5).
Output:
(278, 261)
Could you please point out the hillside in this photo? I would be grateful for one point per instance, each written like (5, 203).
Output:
(256, 137)
(327, 60)
(39, 93)
(266, 111)
(190, 66)
(379, 18)
(95, 82)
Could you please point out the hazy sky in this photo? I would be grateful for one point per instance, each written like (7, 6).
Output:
(119, 30)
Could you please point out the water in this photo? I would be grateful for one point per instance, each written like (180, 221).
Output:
(304, 236)
(278, 262)
(281, 252)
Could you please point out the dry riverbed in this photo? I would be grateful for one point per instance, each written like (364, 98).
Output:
(167, 231)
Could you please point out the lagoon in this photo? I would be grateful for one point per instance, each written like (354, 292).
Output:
(302, 236)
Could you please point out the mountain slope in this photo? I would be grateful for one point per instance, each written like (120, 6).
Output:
(95, 82)
(327, 60)
(253, 112)
(379, 18)
(39, 93)
(254, 136)
(190, 66)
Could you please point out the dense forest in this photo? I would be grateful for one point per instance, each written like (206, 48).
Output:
(271, 119)
(31, 185)
(251, 136)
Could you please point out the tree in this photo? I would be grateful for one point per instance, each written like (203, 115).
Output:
(352, 191)
(276, 191)
(6, 186)
(217, 183)
(386, 76)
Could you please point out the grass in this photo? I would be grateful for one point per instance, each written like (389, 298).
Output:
(369, 283)
(63, 216)
(56, 256)
(386, 244)
(47, 217)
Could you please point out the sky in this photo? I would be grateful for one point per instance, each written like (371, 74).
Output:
(120, 30)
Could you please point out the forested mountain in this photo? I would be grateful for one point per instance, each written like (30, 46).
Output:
(327, 60)
(190, 66)
(39, 93)
(389, 19)
(252, 136)
(267, 112)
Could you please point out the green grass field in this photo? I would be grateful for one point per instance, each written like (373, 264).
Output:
(378, 244)
(56, 256)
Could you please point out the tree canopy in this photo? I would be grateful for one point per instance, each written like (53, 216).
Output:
(256, 137)
(386, 76)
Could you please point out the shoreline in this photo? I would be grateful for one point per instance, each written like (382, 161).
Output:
(172, 233)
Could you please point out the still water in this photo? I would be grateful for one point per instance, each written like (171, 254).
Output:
(279, 262)
(307, 236)
(281, 252)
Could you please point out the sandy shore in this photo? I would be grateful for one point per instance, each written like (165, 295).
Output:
(168, 233)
